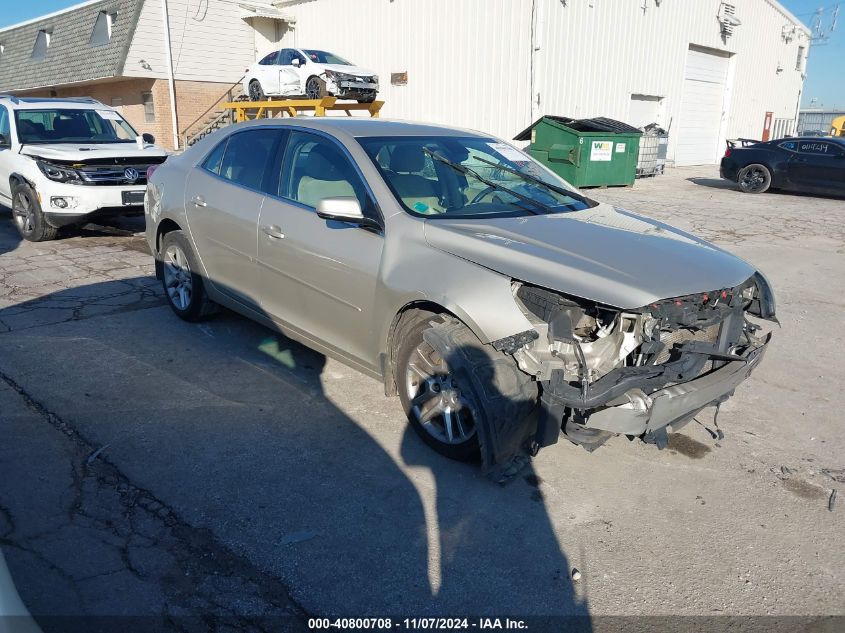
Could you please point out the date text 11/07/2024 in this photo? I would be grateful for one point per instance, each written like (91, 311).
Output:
(435, 624)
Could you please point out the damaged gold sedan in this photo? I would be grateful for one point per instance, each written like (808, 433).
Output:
(503, 306)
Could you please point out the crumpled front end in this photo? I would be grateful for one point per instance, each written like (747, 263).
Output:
(346, 86)
(605, 371)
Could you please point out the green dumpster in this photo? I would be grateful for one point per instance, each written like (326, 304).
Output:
(597, 152)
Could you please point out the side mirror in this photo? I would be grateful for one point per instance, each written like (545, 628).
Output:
(4, 142)
(346, 209)
(295, 62)
(148, 138)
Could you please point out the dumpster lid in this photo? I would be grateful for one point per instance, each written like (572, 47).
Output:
(597, 124)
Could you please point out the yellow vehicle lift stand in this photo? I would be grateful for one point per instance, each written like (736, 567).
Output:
(249, 110)
(837, 128)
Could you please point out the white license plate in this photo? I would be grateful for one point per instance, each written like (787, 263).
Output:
(360, 85)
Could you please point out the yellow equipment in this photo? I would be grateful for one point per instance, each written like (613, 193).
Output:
(837, 128)
(247, 110)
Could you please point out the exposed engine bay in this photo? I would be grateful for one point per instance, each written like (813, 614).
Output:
(605, 371)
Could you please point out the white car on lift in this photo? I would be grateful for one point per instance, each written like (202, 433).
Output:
(67, 161)
(310, 73)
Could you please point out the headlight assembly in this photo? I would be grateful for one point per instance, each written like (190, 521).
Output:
(59, 174)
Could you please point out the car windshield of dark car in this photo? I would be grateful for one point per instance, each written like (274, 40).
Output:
(72, 126)
(322, 57)
(468, 177)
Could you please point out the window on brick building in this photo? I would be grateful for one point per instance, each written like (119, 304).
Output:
(149, 107)
(116, 102)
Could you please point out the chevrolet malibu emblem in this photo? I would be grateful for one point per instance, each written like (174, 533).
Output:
(131, 174)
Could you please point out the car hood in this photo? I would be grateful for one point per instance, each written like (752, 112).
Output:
(349, 70)
(604, 254)
(91, 152)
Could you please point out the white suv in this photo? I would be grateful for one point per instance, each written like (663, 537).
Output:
(63, 161)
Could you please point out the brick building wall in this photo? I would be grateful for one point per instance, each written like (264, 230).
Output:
(195, 100)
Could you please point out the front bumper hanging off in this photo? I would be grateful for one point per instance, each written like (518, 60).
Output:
(641, 413)
(646, 400)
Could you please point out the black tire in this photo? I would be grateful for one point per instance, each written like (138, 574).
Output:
(754, 178)
(367, 99)
(256, 92)
(315, 88)
(490, 382)
(198, 306)
(28, 216)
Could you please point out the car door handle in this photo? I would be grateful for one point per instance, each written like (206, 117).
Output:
(273, 231)
(199, 201)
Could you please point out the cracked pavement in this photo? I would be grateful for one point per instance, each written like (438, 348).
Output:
(98, 544)
(219, 475)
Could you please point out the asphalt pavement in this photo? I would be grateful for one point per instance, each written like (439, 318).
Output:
(149, 466)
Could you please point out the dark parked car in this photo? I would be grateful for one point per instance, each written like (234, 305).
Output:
(813, 165)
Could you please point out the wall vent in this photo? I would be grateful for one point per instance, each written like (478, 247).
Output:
(727, 19)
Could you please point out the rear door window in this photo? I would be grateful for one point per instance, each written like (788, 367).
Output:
(818, 148)
(270, 59)
(247, 156)
(213, 160)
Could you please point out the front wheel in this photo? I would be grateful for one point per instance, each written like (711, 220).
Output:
(256, 93)
(315, 88)
(754, 179)
(458, 393)
(183, 286)
(29, 217)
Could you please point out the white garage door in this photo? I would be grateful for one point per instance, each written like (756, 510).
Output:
(701, 108)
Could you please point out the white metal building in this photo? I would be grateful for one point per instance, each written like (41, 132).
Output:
(705, 70)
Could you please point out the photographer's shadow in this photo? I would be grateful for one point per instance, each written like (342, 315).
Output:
(493, 549)
(275, 451)
(9, 236)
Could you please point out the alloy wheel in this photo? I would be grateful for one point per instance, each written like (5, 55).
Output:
(437, 400)
(313, 89)
(177, 277)
(753, 179)
(24, 212)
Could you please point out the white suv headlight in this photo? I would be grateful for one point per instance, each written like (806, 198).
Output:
(59, 174)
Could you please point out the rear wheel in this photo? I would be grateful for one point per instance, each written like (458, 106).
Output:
(183, 287)
(29, 218)
(754, 179)
(256, 93)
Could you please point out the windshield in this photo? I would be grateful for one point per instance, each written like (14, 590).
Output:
(73, 126)
(322, 57)
(467, 177)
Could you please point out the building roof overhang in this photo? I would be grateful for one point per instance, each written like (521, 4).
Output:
(254, 9)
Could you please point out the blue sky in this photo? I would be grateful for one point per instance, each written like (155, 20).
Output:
(824, 70)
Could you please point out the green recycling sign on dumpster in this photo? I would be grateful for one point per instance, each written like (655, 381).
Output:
(596, 152)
